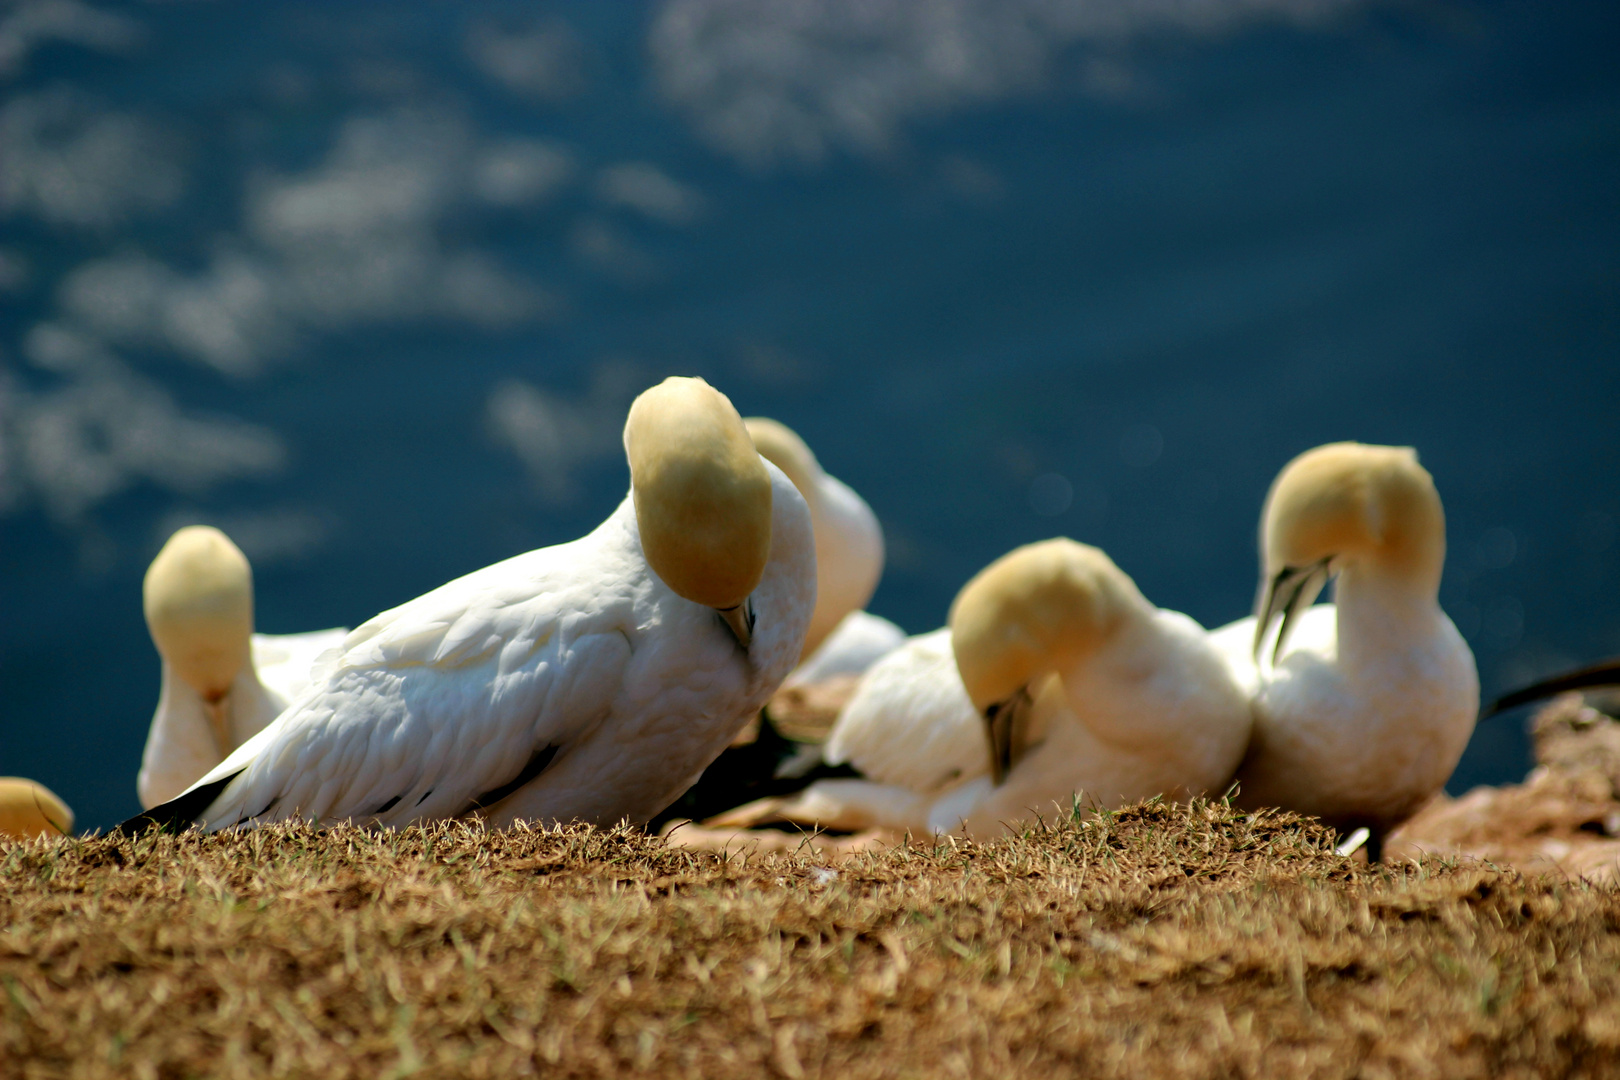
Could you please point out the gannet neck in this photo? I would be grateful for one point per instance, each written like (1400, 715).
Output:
(240, 713)
(701, 493)
(1380, 614)
(1040, 609)
(849, 556)
(190, 735)
(782, 447)
(198, 599)
(186, 739)
(1344, 507)
(250, 706)
(849, 541)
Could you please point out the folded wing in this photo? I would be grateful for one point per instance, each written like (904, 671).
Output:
(910, 722)
(434, 709)
(285, 663)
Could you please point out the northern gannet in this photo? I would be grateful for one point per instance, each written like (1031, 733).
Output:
(1363, 706)
(591, 681)
(772, 752)
(29, 809)
(849, 541)
(1054, 677)
(222, 683)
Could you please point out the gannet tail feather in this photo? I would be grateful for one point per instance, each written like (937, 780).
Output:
(179, 813)
(1602, 673)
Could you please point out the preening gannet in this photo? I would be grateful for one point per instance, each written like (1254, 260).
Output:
(841, 644)
(591, 681)
(222, 683)
(1365, 705)
(1054, 677)
(29, 809)
(849, 541)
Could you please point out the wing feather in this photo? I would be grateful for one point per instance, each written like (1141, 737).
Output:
(440, 701)
(910, 722)
(285, 663)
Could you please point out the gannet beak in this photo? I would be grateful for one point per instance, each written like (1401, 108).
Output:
(1002, 724)
(740, 619)
(1289, 592)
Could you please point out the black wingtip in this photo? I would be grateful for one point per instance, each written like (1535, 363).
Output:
(1602, 673)
(179, 813)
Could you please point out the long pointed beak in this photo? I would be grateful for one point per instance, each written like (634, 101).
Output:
(740, 620)
(1289, 593)
(1003, 722)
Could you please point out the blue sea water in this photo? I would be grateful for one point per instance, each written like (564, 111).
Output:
(369, 285)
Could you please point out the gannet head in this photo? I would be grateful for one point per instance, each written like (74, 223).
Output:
(198, 596)
(1038, 610)
(702, 497)
(29, 809)
(1340, 505)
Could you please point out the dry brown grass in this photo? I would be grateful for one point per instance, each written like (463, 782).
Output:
(1158, 941)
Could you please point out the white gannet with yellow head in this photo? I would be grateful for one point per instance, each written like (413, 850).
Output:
(592, 681)
(842, 639)
(1363, 706)
(1054, 677)
(222, 683)
(29, 809)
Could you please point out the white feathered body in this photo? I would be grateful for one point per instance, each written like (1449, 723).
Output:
(565, 684)
(1155, 711)
(286, 664)
(1234, 643)
(1368, 710)
(189, 736)
(861, 640)
(910, 723)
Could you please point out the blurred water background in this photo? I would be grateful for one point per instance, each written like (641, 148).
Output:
(369, 285)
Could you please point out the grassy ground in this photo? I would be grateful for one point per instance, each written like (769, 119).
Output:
(1158, 941)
